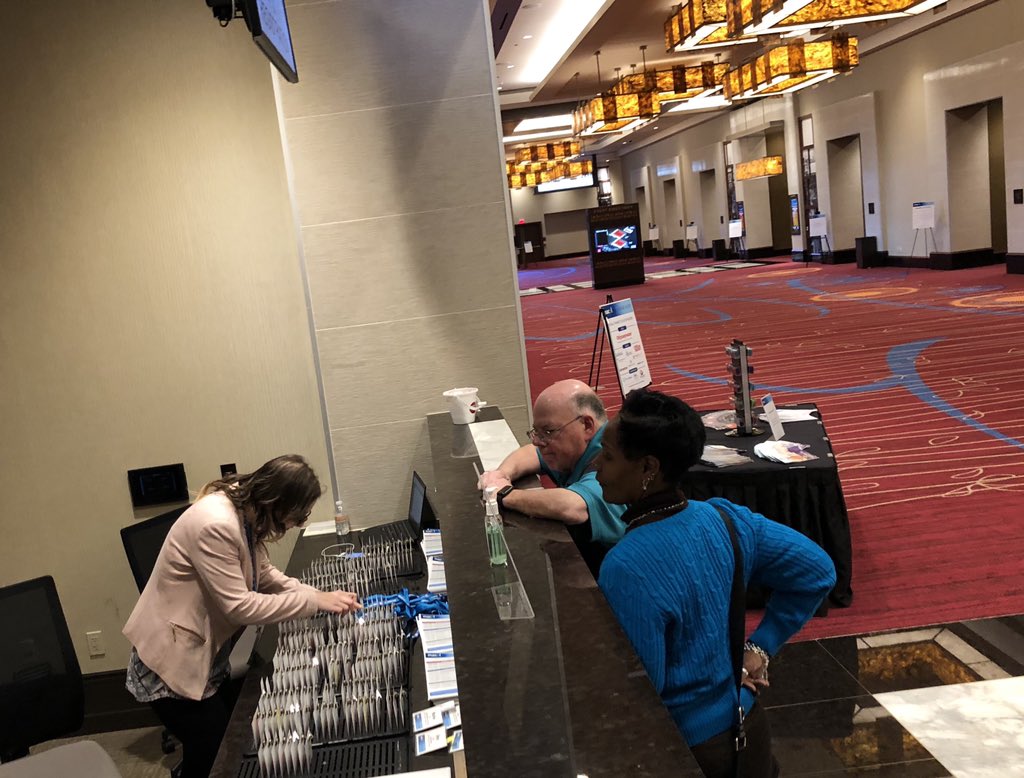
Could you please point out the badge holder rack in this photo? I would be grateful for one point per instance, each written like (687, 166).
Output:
(740, 371)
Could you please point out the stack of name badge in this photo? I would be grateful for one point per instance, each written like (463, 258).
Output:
(432, 550)
(336, 679)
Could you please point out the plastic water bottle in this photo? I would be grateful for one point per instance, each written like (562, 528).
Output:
(342, 526)
(496, 548)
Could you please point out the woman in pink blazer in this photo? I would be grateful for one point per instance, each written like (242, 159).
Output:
(211, 579)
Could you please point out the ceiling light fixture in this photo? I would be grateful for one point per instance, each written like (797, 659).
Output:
(548, 152)
(791, 66)
(620, 109)
(758, 168)
(760, 17)
(698, 24)
(544, 123)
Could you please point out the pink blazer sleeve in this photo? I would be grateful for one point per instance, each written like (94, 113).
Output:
(219, 565)
(272, 580)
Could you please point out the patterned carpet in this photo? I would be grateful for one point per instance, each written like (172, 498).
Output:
(919, 376)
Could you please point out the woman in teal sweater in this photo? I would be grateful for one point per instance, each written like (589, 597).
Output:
(669, 582)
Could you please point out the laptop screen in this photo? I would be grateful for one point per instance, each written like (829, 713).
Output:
(417, 502)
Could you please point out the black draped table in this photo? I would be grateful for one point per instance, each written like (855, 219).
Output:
(806, 496)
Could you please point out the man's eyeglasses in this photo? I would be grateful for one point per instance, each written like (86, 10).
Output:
(537, 437)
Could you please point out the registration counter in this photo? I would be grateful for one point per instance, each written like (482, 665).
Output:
(558, 694)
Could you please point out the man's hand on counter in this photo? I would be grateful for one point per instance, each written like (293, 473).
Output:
(493, 478)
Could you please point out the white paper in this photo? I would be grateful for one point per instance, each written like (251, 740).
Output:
(428, 718)
(818, 226)
(691, 232)
(436, 581)
(441, 680)
(653, 233)
(923, 217)
(793, 414)
(435, 633)
(528, 247)
(431, 542)
(437, 772)
(773, 417)
(735, 228)
(431, 740)
(494, 441)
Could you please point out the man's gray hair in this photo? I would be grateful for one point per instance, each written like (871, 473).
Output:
(589, 402)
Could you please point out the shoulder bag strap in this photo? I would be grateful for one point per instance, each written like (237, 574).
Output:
(737, 615)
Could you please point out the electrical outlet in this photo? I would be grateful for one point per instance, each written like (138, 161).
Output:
(95, 641)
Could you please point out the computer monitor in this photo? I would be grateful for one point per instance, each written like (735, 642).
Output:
(143, 541)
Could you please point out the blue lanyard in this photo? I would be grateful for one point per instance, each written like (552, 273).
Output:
(409, 606)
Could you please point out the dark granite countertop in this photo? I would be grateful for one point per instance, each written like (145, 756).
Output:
(562, 694)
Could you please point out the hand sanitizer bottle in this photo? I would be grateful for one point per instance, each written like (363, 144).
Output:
(492, 527)
(342, 526)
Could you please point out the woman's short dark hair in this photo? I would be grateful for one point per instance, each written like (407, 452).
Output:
(283, 488)
(664, 427)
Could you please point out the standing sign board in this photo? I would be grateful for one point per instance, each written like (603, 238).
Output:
(623, 334)
(616, 249)
(924, 216)
(819, 226)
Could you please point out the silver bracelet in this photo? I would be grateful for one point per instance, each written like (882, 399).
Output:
(748, 646)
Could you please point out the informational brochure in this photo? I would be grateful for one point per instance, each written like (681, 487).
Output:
(784, 451)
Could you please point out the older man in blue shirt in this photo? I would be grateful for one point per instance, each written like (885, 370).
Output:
(569, 420)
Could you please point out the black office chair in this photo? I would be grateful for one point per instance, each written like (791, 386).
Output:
(142, 543)
(41, 694)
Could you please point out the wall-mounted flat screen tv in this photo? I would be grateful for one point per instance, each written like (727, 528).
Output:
(268, 23)
(607, 241)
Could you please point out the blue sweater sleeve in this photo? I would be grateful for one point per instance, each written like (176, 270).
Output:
(644, 621)
(797, 570)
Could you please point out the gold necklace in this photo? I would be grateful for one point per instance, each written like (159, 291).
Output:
(666, 510)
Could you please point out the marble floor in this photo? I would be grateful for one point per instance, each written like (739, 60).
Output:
(940, 701)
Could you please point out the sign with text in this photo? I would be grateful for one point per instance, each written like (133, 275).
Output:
(616, 248)
(924, 216)
(623, 334)
(818, 227)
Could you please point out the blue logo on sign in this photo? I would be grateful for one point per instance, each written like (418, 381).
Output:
(626, 345)
(633, 370)
(622, 328)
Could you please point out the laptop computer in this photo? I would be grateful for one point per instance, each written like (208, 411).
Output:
(420, 516)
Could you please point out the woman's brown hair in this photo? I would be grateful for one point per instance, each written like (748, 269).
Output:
(281, 490)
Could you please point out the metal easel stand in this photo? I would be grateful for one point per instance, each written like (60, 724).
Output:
(594, 378)
(927, 231)
(738, 246)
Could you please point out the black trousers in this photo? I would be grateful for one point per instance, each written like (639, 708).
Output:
(199, 725)
(716, 756)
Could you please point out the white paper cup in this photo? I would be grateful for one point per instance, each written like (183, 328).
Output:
(463, 403)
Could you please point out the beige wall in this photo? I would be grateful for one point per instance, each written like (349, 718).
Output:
(393, 140)
(151, 296)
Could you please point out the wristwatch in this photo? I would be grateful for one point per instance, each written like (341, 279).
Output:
(504, 492)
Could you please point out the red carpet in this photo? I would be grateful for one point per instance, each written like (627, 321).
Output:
(919, 376)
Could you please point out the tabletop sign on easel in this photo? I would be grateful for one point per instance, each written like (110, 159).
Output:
(623, 335)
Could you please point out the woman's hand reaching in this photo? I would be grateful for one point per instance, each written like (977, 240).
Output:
(338, 602)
